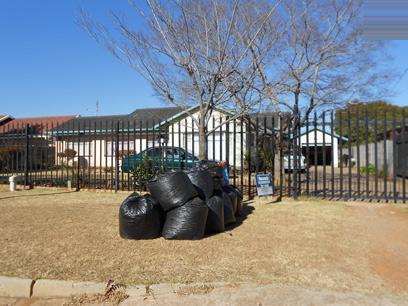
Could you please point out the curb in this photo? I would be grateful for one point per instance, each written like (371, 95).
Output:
(59, 288)
(14, 287)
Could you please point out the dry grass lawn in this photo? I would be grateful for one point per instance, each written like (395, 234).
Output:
(70, 235)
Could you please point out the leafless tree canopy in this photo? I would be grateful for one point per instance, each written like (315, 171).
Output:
(241, 55)
(192, 51)
(323, 60)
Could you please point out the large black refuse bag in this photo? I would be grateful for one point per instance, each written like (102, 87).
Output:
(202, 181)
(186, 222)
(229, 215)
(215, 220)
(217, 183)
(172, 189)
(239, 203)
(140, 217)
(239, 197)
(218, 180)
(234, 201)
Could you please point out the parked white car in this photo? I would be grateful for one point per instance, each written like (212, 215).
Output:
(289, 162)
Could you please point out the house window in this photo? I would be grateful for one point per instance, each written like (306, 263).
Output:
(124, 147)
(84, 149)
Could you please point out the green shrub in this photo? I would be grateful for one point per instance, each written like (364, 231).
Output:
(145, 171)
(370, 169)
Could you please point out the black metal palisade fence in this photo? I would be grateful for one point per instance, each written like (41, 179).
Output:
(336, 155)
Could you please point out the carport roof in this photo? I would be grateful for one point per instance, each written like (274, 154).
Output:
(320, 129)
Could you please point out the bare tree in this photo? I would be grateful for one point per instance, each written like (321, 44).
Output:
(324, 59)
(192, 52)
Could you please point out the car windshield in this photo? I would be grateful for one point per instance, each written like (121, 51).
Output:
(154, 152)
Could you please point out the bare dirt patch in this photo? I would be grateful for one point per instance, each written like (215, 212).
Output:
(386, 230)
(70, 235)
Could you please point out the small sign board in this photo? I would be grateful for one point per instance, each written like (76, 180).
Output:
(264, 185)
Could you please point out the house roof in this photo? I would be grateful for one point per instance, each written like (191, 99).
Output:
(39, 124)
(140, 119)
(185, 112)
(144, 118)
(155, 114)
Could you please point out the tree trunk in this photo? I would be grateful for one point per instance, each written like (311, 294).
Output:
(296, 153)
(202, 139)
(202, 133)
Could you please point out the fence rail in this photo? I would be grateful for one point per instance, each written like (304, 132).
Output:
(338, 155)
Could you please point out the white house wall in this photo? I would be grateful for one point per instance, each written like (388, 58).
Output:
(185, 140)
(98, 153)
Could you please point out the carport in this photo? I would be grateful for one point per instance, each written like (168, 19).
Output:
(320, 147)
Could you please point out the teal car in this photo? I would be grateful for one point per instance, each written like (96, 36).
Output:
(169, 158)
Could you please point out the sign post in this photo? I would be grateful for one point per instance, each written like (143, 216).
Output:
(264, 185)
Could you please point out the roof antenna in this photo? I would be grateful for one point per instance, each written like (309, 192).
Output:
(97, 107)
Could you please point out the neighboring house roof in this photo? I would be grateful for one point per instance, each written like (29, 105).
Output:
(5, 118)
(37, 124)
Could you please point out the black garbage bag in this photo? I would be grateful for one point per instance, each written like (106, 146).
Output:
(229, 215)
(215, 220)
(172, 189)
(236, 189)
(239, 197)
(202, 181)
(217, 183)
(140, 217)
(216, 171)
(239, 206)
(218, 180)
(234, 201)
(186, 222)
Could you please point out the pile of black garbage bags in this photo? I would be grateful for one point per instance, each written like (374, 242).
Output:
(181, 205)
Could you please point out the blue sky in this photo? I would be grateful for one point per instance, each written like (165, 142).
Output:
(49, 66)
